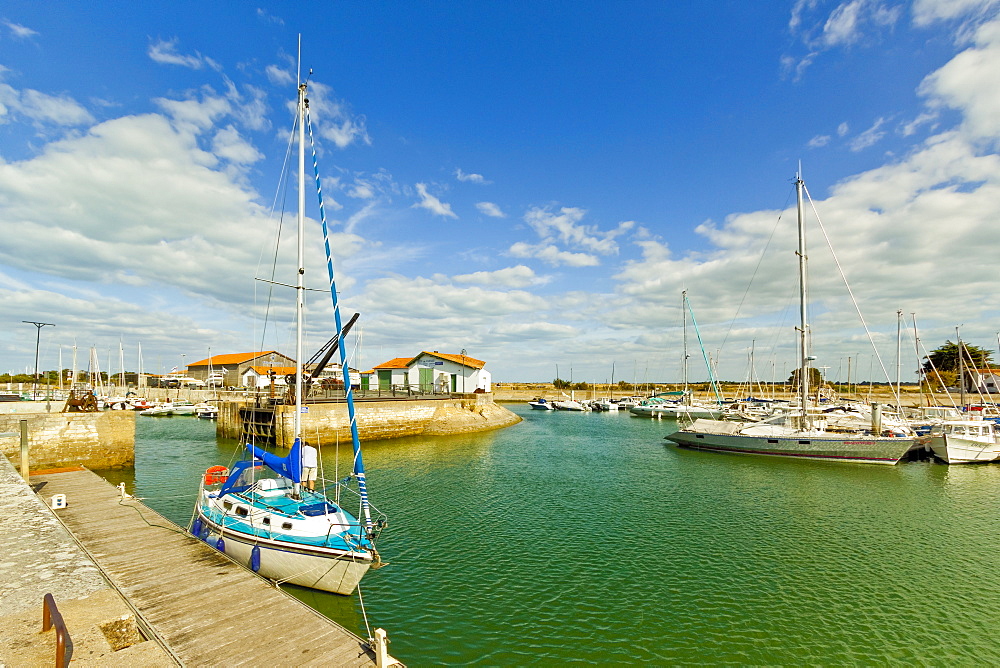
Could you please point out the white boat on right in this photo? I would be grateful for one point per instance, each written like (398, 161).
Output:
(964, 441)
(802, 434)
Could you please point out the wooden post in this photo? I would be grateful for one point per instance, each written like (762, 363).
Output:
(24, 450)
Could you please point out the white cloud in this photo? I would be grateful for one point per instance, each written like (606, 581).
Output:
(848, 23)
(922, 119)
(195, 115)
(565, 227)
(519, 276)
(333, 119)
(361, 189)
(869, 137)
(432, 203)
(42, 108)
(138, 202)
(470, 178)
(929, 11)
(165, 53)
(19, 31)
(819, 141)
(842, 25)
(968, 83)
(280, 76)
(269, 18)
(228, 144)
(417, 297)
(490, 209)
(552, 255)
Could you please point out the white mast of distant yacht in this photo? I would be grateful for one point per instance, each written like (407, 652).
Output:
(803, 324)
(684, 308)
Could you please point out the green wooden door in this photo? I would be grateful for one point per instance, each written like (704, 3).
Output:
(426, 379)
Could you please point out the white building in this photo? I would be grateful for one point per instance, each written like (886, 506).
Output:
(441, 373)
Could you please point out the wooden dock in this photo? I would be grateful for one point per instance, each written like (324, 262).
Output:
(205, 608)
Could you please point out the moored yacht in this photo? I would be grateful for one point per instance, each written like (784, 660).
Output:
(964, 441)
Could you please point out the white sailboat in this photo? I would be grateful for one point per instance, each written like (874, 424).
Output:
(273, 523)
(804, 436)
(685, 408)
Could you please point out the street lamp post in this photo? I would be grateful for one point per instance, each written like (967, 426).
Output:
(463, 370)
(38, 337)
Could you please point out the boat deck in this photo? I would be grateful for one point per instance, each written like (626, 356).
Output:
(204, 607)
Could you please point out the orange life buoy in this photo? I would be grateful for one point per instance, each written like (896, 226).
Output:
(216, 474)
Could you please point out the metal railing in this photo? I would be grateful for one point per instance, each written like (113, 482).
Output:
(51, 617)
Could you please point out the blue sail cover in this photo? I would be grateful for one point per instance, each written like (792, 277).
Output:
(289, 466)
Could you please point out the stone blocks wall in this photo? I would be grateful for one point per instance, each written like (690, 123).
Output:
(55, 440)
(390, 419)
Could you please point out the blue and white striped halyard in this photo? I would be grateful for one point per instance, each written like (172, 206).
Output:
(359, 465)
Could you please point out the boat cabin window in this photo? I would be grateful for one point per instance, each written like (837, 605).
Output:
(266, 521)
(287, 526)
(227, 505)
(241, 511)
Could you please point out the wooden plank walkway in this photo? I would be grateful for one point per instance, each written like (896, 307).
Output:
(206, 608)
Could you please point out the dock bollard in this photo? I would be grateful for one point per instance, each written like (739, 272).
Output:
(380, 644)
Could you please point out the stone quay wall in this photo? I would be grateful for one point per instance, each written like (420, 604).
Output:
(104, 440)
(328, 422)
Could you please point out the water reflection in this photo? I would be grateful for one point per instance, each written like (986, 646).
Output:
(587, 537)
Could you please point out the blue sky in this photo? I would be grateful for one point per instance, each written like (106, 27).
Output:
(533, 182)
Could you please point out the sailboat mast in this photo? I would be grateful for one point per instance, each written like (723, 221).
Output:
(961, 370)
(684, 367)
(300, 274)
(803, 325)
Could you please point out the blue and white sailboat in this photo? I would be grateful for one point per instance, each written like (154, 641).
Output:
(259, 512)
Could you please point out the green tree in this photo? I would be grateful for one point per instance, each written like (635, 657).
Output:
(815, 377)
(945, 358)
(560, 384)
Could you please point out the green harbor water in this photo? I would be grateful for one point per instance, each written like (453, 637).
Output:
(587, 538)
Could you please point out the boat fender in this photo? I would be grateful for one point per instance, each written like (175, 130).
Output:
(220, 545)
(203, 533)
(196, 527)
(255, 558)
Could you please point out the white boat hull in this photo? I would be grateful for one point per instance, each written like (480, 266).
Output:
(335, 571)
(953, 449)
(671, 412)
(818, 446)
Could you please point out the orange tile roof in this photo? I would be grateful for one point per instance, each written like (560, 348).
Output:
(234, 358)
(395, 363)
(465, 360)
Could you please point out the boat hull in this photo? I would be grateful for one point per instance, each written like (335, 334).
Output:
(859, 450)
(953, 449)
(676, 412)
(336, 571)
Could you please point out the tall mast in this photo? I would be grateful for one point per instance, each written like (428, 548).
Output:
(300, 274)
(803, 324)
(899, 361)
(961, 370)
(684, 307)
